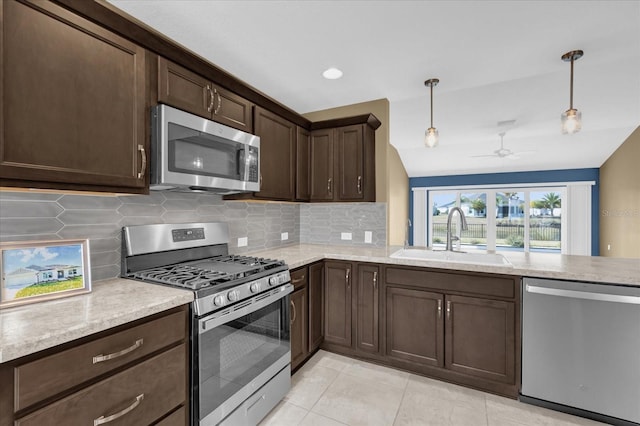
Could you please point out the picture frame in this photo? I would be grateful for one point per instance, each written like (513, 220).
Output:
(36, 271)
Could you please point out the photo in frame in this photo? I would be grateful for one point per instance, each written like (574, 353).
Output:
(35, 271)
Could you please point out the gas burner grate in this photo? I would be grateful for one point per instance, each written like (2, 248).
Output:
(184, 276)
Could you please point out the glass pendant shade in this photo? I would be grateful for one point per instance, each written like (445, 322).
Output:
(431, 137)
(571, 121)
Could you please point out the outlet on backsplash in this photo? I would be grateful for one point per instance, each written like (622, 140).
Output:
(284, 236)
(243, 241)
(368, 237)
(346, 236)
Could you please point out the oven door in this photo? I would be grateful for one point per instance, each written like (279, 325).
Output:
(238, 350)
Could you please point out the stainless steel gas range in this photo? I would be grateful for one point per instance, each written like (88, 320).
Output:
(241, 352)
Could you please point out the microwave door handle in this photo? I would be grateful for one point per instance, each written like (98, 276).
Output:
(240, 166)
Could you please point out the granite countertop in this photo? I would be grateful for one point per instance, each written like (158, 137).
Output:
(31, 328)
(541, 265)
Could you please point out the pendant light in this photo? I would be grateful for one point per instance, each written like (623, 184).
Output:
(431, 135)
(571, 118)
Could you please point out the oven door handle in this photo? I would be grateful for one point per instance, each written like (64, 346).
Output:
(225, 316)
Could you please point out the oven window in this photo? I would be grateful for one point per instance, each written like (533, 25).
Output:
(233, 354)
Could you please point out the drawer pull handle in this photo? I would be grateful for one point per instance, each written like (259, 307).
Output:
(219, 103)
(359, 184)
(211, 97)
(101, 358)
(298, 280)
(375, 279)
(346, 277)
(439, 308)
(102, 419)
(448, 309)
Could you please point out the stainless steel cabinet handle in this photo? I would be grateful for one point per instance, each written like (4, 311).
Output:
(329, 186)
(102, 419)
(211, 99)
(101, 358)
(439, 308)
(298, 280)
(448, 309)
(143, 165)
(293, 312)
(375, 279)
(346, 277)
(359, 184)
(219, 104)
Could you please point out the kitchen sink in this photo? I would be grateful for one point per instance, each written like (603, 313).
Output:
(477, 258)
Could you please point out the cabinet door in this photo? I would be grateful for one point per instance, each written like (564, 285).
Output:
(232, 110)
(303, 157)
(298, 326)
(337, 314)
(316, 306)
(414, 326)
(73, 101)
(321, 173)
(350, 163)
(480, 338)
(367, 308)
(183, 89)
(277, 156)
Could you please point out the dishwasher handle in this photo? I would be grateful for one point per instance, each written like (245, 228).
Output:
(575, 294)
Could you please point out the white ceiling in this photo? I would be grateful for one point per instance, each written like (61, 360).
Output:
(496, 61)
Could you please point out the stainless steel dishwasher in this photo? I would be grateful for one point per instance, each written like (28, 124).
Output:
(581, 349)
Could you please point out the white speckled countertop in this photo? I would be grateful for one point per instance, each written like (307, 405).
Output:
(31, 328)
(542, 265)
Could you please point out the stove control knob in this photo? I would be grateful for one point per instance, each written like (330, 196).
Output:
(232, 296)
(254, 287)
(218, 301)
(273, 280)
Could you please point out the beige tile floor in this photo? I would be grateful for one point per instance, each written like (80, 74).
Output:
(333, 390)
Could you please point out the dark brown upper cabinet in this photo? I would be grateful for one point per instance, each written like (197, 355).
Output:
(277, 156)
(188, 91)
(343, 159)
(74, 103)
(303, 158)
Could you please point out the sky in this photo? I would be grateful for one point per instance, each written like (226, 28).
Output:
(13, 259)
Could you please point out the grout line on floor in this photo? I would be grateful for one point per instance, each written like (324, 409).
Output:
(404, 393)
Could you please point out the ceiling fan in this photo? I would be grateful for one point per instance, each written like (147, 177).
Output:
(504, 152)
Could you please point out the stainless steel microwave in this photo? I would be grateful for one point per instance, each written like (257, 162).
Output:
(191, 153)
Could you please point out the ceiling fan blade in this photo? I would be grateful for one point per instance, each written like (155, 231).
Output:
(488, 155)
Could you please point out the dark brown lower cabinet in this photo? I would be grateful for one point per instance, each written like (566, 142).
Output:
(138, 372)
(414, 328)
(480, 338)
(337, 308)
(307, 302)
(299, 318)
(366, 308)
(316, 306)
(457, 326)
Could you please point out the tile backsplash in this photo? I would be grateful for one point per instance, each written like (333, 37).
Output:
(52, 216)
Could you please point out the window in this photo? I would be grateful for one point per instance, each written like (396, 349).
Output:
(524, 218)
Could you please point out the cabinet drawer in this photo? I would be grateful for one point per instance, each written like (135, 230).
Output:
(299, 278)
(137, 396)
(48, 376)
(500, 286)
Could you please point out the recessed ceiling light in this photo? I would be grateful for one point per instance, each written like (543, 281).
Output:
(332, 73)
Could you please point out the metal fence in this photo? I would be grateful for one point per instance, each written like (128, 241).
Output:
(479, 230)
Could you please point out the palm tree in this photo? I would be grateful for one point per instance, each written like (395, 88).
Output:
(551, 200)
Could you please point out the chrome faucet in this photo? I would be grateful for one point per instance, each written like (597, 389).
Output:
(452, 238)
(406, 234)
